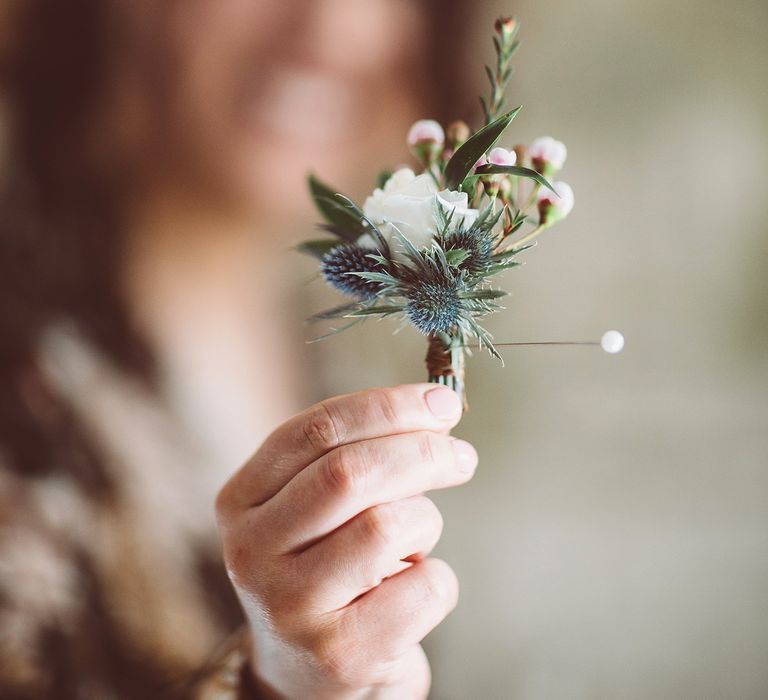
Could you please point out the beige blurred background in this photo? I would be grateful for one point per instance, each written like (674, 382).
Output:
(614, 543)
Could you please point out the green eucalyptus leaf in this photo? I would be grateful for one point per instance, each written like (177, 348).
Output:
(462, 162)
(518, 170)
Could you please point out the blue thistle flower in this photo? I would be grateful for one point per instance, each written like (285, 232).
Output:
(338, 265)
(434, 305)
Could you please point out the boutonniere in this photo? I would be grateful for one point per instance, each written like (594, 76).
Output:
(428, 244)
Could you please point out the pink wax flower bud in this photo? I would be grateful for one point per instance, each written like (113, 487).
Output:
(547, 155)
(505, 26)
(426, 139)
(457, 133)
(522, 153)
(506, 192)
(553, 209)
(426, 131)
(501, 156)
(482, 160)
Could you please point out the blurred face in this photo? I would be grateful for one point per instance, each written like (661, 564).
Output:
(239, 99)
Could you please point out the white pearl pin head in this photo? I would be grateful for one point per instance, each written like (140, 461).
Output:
(612, 342)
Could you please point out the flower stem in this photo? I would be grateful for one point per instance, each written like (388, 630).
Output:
(529, 237)
(445, 364)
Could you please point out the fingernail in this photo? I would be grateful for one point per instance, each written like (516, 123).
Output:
(444, 403)
(466, 456)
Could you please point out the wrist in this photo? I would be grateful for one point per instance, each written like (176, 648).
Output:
(292, 677)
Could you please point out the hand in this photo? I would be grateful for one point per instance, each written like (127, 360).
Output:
(326, 536)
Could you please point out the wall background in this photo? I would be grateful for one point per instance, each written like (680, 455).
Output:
(614, 543)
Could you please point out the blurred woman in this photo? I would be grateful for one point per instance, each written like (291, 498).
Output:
(153, 155)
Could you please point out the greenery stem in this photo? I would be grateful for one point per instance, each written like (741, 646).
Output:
(529, 237)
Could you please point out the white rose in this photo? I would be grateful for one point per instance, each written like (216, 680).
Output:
(409, 202)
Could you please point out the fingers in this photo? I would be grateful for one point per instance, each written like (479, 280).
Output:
(368, 549)
(352, 478)
(406, 608)
(385, 623)
(336, 422)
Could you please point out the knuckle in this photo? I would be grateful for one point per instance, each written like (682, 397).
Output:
(226, 499)
(345, 660)
(440, 584)
(338, 657)
(380, 524)
(388, 401)
(221, 505)
(428, 447)
(432, 515)
(342, 472)
(238, 560)
(321, 428)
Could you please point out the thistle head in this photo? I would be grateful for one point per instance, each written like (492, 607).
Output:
(479, 246)
(339, 265)
(434, 305)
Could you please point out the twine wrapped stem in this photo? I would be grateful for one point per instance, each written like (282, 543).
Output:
(445, 363)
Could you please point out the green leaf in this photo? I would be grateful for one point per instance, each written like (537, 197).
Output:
(469, 184)
(510, 252)
(381, 277)
(345, 223)
(501, 267)
(484, 294)
(385, 310)
(318, 248)
(336, 312)
(382, 178)
(456, 256)
(366, 225)
(335, 331)
(484, 104)
(462, 162)
(491, 77)
(518, 170)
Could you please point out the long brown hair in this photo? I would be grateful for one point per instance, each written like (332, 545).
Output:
(60, 218)
(61, 211)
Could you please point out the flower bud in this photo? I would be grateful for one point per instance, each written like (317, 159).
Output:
(426, 139)
(457, 133)
(501, 156)
(482, 160)
(505, 188)
(547, 155)
(505, 27)
(553, 209)
(522, 153)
